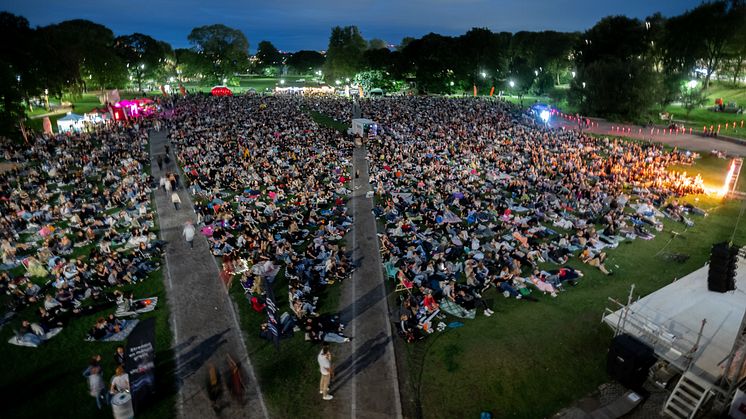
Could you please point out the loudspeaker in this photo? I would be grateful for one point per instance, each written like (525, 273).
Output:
(721, 276)
(629, 361)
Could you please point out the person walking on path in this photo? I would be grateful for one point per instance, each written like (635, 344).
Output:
(175, 200)
(160, 162)
(325, 367)
(189, 233)
(167, 186)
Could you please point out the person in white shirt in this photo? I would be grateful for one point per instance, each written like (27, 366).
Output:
(175, 200)
(189, 233)
(325, 367)
(120, 382)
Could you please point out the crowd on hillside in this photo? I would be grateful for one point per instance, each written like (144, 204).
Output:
(76, 224)
(475, 194)
(270, 189)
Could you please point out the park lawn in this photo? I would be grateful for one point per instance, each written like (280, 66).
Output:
(288, 375)
(700, 117)
(47, 381)
(530, 359)
(713, 171)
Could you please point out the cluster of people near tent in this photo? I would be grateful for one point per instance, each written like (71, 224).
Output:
(270, 188)
(76, 223)
(475, 195)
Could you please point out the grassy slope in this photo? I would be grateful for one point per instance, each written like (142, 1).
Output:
(701, 117)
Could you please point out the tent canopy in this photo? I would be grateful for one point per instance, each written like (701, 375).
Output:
(71, 117)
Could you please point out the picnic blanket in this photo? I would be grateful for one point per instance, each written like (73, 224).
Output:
(16, 340)
(450, 217)
(127, 327)
(148, 306)
(456, 310)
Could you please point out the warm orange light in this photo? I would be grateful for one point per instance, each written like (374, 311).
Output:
(724, 190)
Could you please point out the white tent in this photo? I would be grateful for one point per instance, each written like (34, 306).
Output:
(70, 122)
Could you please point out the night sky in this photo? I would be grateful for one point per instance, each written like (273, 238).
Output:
(293, 24)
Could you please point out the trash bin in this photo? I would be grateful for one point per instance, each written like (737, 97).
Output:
(121, 406)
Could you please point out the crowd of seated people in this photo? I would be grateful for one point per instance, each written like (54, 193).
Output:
(76, 222)
(475, 195)
(270, 192)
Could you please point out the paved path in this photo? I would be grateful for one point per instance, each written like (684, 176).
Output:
(203, 318)
(365, 385)
(687, 141)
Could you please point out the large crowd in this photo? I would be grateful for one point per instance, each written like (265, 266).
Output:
(270, 188)
(77, 236)
(470, 194)
(476, 194)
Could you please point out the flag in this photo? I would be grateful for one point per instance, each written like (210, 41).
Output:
(492, 91)
(47, 125)
(360, 89)
(163, 90)
(272, 314)
(475, 90)
(182, 90)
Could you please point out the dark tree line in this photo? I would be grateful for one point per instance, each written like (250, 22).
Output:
(621, 66)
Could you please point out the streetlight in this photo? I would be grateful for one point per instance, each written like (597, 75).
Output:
(451, 83)
(282, 81)
(225, 81)
(512, 84)
(142, 66)
(536, 73)
(484, 74)
(583, 85)
(573, 74)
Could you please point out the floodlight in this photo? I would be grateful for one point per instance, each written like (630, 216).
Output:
(544, 115)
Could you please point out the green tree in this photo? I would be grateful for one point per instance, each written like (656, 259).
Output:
(377, 43)
(17, 78)
(481, 57)
(615, 77)
(431, 59)
(736, 48)
(306, 62)
(223, 51)
(268, 55)
(75, 53)
(145, 57)
(692, 96)
(344, 57)
(376, 79)
(189, 64)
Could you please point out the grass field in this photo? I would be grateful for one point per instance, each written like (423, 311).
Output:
(47, 381)
(698, 118)
(531, 359)
(288, 375)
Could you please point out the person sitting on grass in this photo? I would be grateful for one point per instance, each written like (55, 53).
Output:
(469, 302)
(595, 259)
